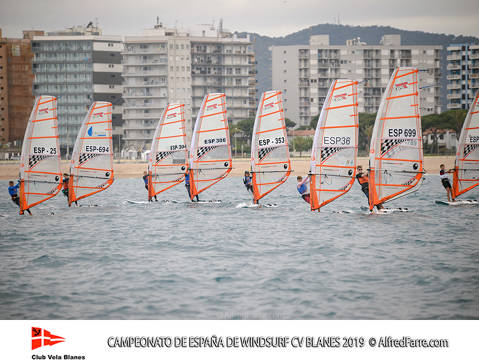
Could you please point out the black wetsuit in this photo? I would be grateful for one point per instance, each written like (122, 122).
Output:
(364, 182)
(444, 179)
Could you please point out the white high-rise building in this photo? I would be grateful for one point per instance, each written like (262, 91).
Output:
(462, 75)
(304, 73)
(79, 66)
(168, 65)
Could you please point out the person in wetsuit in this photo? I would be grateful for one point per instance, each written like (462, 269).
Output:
(65, 184)
(187, 185)
(248, 181)
(363, 181)
(145, 179)
(13, 191)
(445, 182)
(302, 188)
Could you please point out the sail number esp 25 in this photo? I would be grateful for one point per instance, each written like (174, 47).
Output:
(44, 150)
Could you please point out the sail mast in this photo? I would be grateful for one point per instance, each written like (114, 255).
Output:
(334, 153)
(270, 160)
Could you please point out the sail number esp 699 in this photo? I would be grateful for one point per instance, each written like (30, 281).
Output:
(399, 132)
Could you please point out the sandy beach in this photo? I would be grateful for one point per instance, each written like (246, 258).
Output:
(134, 169)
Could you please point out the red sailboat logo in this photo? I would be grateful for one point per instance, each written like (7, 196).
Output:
(42, 337)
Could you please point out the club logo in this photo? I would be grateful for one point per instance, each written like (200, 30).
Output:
(401, 86)
(269, 105)
(97, 115)
(42, 337)
(172, 115)
(212, 106)
(43, 111)
(340, 97)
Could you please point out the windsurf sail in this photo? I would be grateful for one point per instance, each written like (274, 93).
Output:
(91, 169)
(210, 152)
(40, 173)
(270, 162)
(335, 145)
(167, 160)
(466, 171)
(396, 154)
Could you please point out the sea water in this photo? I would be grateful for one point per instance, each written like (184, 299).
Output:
(110, 259)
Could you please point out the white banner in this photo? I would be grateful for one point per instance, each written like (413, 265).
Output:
(237, 340)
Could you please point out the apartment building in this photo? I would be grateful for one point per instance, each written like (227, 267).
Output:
(169, 65)
(462, 75)
(305, 73)
(16, 83)
(79, 66)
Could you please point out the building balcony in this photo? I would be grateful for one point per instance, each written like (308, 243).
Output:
(454, 86)
(454, 96)
(453, 57)
(454, 77)
(453, 67)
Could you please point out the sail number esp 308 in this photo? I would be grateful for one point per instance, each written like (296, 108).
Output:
(215, 141)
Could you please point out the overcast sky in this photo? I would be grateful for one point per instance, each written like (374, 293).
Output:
(266, 17)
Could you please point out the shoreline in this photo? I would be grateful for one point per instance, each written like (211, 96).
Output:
(135, 169)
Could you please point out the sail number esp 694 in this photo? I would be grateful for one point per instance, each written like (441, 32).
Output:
(94, 148)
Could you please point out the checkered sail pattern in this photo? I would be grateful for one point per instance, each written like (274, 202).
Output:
(263, 152)
(86, 156)
(466, 175)
(210, 151)
(34, 159)
(326, 152)
(162, 155)
(388, 144)
(396, 154)
(270, 159)
(91, 170)
(334, 153)
(470, 148)
(201, 151)
(167, 162)
(40, 174)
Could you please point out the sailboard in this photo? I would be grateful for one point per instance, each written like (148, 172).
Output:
(270, 161)
(210, 151)
(396, 154)
(167, 160)
(91, 168)
(460, 202)
(466, 170)
(335, 145)
(40, 173)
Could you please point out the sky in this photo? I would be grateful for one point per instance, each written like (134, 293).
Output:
(265, 17)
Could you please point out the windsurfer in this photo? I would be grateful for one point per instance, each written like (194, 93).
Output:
(145, 179)
(445, 182)
(187, 185)
(13, 190)
(65, 183)
(247, 180)
(364, 183)
(302, 188)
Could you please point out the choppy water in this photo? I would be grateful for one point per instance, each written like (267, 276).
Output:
(216, 261)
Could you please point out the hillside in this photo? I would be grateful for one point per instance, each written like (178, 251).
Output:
(338, 35)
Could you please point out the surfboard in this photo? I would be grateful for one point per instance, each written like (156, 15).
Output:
(461, 202)
(466, 171)
(91, 169)
(210, 151)
(270, 161)
(396, 154)
(387, 210)
(40, 174)
(335, 145)
(167, 162)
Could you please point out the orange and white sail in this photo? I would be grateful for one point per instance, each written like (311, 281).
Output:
(466, 171)
(396, 153)
(335, 145)
(270, 161)
(210, 152)
(91, 169)
(40, 173)
(167, 164)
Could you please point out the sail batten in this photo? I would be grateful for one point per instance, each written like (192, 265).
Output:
(466, 168)
(167, 162)
(91, 169)
(270, 159)
(40, 175)
(396, 154)
(210, 152)
(334, 152)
